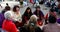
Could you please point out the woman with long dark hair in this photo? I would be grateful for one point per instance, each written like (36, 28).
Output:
(39, 14)
(26, 15)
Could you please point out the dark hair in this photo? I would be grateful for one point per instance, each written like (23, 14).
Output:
(37, 7)
(7, 8)
(52, 10)
(26, 13)
(52, 19)
(14, 8)
(7, 4)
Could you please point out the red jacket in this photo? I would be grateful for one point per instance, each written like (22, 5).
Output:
(9, 26)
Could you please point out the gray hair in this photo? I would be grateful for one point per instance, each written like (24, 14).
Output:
(7, 15)
(33, 18)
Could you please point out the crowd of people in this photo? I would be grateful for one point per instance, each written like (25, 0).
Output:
(13, 21)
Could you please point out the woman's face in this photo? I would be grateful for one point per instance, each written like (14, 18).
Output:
(17, 9)
(28, 10)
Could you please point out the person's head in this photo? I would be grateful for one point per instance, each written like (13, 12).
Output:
(7, 4)
(7, 8)
(32, 22)
(16, 8)
(52, 12)
(38, 8)
(33, 18)
(7, 16)
(52, 19)
(28, 10)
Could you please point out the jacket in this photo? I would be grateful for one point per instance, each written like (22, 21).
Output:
(9, 26)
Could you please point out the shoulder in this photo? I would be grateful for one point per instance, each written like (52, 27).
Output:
(45, 26)
(1, 14)
(34, 11)
(58, 25)
(41, 12)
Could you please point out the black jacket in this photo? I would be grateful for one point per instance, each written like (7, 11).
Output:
(23, 29)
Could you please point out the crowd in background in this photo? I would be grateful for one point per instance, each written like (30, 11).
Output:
(13, 21)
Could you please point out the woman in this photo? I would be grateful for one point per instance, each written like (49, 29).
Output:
(39, 14)
(26, 15)
(8, 24)
(15, 15)
(31, 26)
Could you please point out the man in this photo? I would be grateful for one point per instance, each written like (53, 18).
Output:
(52, 26)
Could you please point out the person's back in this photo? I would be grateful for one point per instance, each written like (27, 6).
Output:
(52, 26)
(9, 26)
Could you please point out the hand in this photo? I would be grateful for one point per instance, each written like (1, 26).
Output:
(18, 30)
